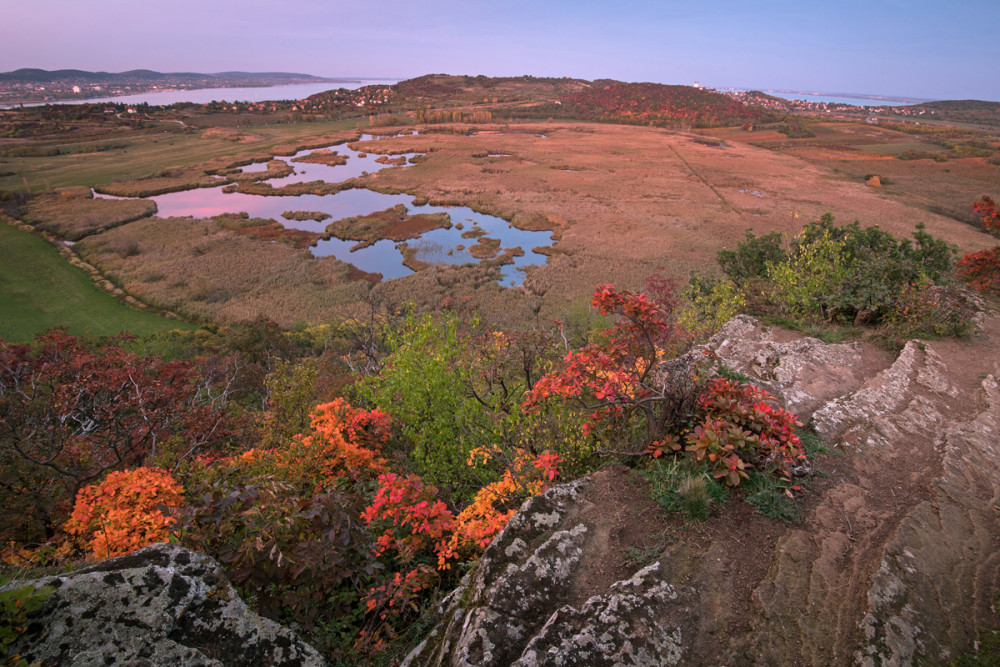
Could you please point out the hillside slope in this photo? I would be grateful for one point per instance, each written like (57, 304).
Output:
(894, 561)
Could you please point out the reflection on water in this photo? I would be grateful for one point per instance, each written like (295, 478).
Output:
(382, 257)
(435, 246)
(257, 166)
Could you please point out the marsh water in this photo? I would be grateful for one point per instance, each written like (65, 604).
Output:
(436, 246)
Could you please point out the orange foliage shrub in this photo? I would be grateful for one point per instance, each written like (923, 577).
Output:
(343, 441)
(125, 511)
(496, 503)
(415, 518)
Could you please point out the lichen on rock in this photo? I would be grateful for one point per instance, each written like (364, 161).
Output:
(162, 605)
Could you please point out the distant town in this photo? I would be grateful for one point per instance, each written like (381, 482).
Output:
(875, 109)
(346, 96)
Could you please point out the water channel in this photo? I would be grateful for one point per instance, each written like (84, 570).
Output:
(436, 246)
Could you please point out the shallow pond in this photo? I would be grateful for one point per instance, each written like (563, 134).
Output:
(385, 257)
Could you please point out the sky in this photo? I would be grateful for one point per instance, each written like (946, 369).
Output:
(906, 48)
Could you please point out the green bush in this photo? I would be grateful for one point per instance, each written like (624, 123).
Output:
(454, 387)
(836, 273)
(752, 257)
(795, 129)
(812, 275)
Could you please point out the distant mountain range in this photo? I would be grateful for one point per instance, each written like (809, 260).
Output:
(140, 76)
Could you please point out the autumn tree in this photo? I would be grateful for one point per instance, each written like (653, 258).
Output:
(70, 411)
(640, 395)
(620, 378)
(981, 270)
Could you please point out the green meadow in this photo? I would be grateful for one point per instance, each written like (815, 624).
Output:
(40, 290)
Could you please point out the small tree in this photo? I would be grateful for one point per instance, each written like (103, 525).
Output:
(660, 406)
(619, 378)
(71, 411)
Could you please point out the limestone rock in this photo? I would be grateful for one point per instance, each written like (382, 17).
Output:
(162, 605)
(641, 621)
(527, 602)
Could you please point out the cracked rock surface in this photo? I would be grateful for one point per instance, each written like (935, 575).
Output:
(162, 605)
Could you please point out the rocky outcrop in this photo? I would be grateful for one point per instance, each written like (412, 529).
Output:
(804, 372)
(162, 605)
(531, 601)
(895, 560)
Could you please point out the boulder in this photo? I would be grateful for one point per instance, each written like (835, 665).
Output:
(162, 605)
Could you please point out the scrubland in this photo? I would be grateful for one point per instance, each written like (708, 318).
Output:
(73, 213)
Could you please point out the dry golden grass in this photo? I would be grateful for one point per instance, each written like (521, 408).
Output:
(173, 180)
(636, 201)
(642, 199)
(858, 150)
(485, 248)
(292, 189)
(323, 156)
(394, 224)
(71, 213)
(275, 169)
(268, 230)
(201, 269)
(318, 216)
(473, 288)
(391, 161)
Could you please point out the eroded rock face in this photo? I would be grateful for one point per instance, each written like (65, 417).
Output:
(804, 372)
(162, 605)
(530, 601)
(895, 561)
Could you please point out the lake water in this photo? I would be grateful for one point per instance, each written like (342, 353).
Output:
(298, 91)
(856, 101)
(385, 257)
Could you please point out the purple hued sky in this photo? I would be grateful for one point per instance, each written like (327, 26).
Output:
(907, 48)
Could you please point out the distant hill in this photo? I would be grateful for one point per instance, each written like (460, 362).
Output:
(652, 102)
(29, 75)
(970, 111)
(537, 97)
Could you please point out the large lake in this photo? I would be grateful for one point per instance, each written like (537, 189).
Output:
(296, 91)
(856, 101)
(437, 246)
